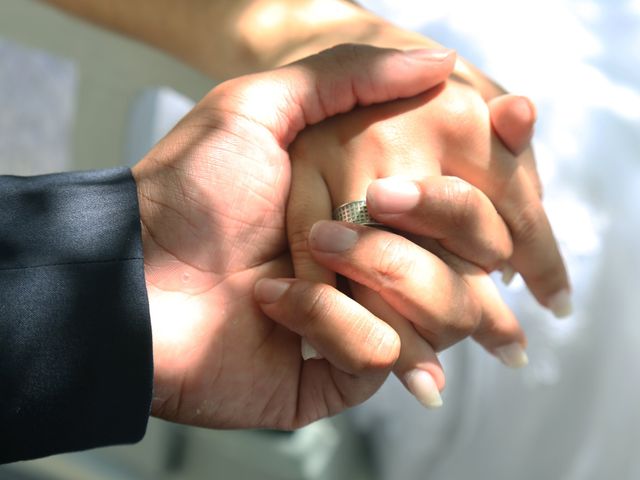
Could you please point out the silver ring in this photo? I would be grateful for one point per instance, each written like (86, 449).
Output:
(355, 212)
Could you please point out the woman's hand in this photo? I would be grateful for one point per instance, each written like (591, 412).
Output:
(300, 27)
(449, 130)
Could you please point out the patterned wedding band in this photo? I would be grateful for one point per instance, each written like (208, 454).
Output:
(355, 212)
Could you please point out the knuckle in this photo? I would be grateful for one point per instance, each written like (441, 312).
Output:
(382, 347)
(343, 55)
(460, 322)
(548, 279)
(467, 326)
(463, 111)
(525, 225)
(315, 304)
(494, 258)
(352, 80)
(467, 203)
(434, 334)
(347, 51)
(298, 241)
(492, 333)
(388, 353)
(488, 334)
(470, 319)
(394, 262)
(503, 251)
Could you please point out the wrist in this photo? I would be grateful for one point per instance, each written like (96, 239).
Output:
(276, 32)
(272, 33)
(137, 172)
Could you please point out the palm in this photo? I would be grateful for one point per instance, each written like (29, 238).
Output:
(202, 265)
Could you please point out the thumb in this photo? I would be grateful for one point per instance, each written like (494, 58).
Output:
(334, 81)
(513, 118)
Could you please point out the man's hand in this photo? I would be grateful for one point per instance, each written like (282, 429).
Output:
(212, 200)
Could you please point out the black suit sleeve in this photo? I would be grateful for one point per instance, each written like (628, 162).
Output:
(75, 339)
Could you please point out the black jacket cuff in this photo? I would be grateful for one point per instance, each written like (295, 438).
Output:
(76, 364)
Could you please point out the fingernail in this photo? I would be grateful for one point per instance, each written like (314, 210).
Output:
(530, 106)
(430, 54)
(512, 355)
(392, 195)
(508, 274)
(307, 350)
(269, 290)
(560, 304)
(332, 237)
(422, 385)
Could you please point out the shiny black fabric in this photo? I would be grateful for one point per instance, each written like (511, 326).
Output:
(76, 365)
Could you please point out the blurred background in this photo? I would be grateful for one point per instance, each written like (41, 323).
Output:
(76, 97)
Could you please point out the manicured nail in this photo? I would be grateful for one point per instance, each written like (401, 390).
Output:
(332, 237)
(560, 304)
(508, 274)
(430, 54)
(512, 355)
(307, 350)
(392, 195)
(269, 290)
(422, 385)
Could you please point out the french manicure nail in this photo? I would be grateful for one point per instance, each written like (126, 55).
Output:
(332, 237)
(508, 274)
(393, 195)
(422, 385)
(307, 350)
(560, 304)
(269, 290)
(430, 54)
(512, 355)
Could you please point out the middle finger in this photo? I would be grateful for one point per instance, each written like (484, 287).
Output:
(398, 270)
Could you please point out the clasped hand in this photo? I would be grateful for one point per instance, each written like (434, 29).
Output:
(213, 203)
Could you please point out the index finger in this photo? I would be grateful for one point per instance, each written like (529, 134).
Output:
(536, 254)
(360, 349)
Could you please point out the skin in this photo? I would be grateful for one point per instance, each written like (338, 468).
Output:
(212, 202)
(226, 38)
(461, 232)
